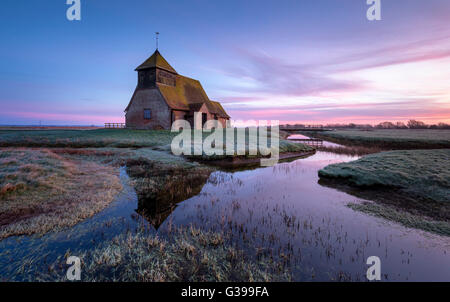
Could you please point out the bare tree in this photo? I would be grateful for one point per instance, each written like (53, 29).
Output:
(413, 124)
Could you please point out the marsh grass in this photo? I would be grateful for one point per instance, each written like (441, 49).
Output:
(42, 191)
(241, 147)
(100, 138)
(189, 255)
(68, 141)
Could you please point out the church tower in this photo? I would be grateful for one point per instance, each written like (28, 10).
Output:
(155, 70)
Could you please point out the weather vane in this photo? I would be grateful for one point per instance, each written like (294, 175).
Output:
(157, 37)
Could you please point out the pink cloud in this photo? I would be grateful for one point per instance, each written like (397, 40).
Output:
(278, 76)
(429, 111)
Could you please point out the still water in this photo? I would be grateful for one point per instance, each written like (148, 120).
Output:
(280, 211)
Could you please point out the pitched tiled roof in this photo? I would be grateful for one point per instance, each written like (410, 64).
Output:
(187, 91)
(218, 109)
(156, 60)
(196, 107)
(187, 94)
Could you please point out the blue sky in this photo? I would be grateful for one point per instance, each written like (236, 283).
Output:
(307, 61)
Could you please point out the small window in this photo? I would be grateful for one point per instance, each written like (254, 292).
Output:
(147, 114)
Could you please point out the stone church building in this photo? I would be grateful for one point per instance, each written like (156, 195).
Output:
(163, 96)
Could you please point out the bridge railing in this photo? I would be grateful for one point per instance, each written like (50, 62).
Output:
(308, 141)
(302, 126)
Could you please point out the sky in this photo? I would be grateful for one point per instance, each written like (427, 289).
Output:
(295, 61)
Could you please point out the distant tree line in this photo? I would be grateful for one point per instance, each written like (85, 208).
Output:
(411, 124)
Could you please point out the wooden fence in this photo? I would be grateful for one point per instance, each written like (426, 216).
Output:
(114, 125)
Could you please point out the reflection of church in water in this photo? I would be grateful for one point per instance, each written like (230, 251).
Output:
(157, 208)
(155, 213)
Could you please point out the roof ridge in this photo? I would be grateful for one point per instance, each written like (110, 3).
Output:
(156, 60)
(189, 78)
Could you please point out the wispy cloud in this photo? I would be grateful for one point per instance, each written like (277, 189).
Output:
(354, 84)
(270, 74)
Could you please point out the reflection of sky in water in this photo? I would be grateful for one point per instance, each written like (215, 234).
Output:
(298, 136)
(282, 209)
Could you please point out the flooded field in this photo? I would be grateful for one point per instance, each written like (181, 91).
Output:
(278, 211)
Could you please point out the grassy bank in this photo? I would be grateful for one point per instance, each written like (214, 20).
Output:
(100, 138)
(190, 255)
(112, 138)
(412, 182)
(42, 191)
(390, 138)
